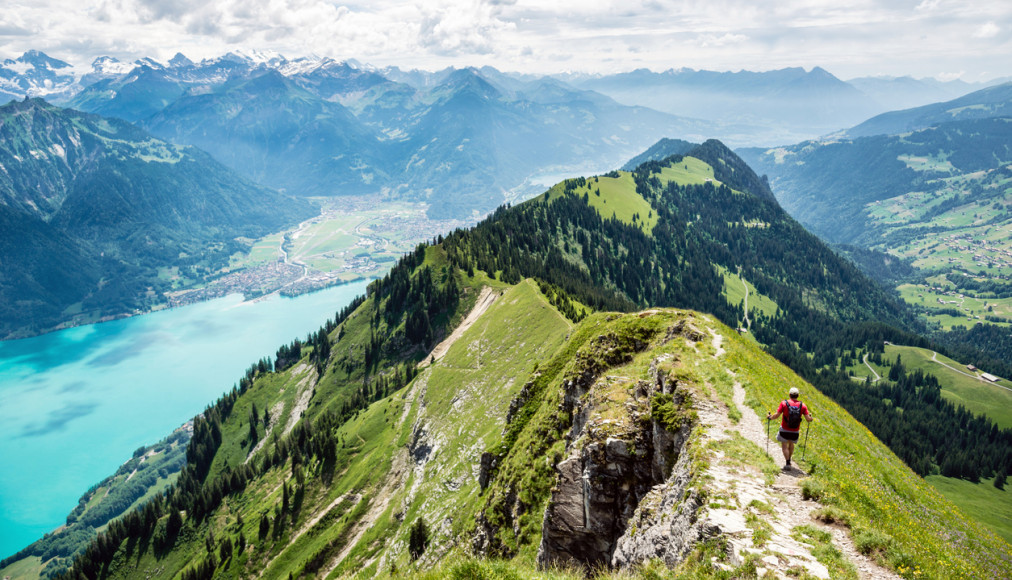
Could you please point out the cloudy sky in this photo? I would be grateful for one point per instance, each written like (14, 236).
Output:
(971, 39)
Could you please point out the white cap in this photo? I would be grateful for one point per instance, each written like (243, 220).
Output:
(795, 392)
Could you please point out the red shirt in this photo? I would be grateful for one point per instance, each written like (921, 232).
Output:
(783, 418)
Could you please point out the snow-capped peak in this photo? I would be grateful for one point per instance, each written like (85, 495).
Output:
(149, 62)
(302, 65)
(110, 65)
(35, 74)
(256, 57)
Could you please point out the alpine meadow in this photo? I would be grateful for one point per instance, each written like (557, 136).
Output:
(568, 268)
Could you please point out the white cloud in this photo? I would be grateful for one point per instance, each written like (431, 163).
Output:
(461, 27)
(918, 37)
(706, 40)
(987, 30)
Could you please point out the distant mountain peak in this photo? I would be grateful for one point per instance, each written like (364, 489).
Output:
(33, 74)
(150, 63)
(180, 61)
(110, 65)
(40, 58)
(256, 57)
(471, 78)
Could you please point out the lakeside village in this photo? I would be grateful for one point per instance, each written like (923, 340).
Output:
(278, 276)
(368, 258)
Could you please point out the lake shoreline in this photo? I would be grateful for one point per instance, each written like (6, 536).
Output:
(88, 396)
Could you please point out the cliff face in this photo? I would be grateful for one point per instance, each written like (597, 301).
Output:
(618, 451)
(667, 460)
(627, 433)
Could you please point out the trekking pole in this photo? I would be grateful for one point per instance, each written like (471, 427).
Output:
(767, 435)
(805, 449)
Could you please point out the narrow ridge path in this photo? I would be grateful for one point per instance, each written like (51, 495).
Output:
(487, 297)
(793, 509)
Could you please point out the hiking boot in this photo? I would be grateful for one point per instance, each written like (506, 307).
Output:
(788, 466)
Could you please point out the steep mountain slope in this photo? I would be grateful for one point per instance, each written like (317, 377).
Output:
(137, 90)
(102, 206)
(404, 141)
(936, 199)
(836, 187)
(982, 104)
(136, 95)
(269, 130)
(488, 141)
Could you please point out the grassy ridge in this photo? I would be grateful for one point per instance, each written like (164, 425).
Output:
(893, 515)
(627, 205)
(413, 455)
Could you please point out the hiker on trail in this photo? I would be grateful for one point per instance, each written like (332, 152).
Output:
(790, 427)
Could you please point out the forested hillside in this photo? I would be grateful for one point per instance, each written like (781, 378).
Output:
(838, 187)
(95, 211)
(928, 212)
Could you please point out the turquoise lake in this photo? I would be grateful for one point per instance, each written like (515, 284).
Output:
(75, 404)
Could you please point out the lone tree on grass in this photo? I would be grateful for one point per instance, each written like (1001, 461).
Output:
(419, 539)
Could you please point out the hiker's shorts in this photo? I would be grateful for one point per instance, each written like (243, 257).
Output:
(788, 436)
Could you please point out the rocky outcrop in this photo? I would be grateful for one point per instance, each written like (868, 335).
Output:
(620, 449)
(665, 524)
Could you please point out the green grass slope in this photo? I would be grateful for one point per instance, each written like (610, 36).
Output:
(981, 501)
(890, 510)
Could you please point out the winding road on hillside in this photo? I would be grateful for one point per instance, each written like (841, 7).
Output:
(877, 377)
(748, 323)
(934, 358)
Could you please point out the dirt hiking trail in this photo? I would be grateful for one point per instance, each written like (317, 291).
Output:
(759, 518)
(485, 300)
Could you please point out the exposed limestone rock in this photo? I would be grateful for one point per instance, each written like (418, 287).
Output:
(686, 329)
(665, 524)
(489, 461)
(612, 464)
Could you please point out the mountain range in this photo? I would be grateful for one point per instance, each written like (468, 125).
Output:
(96, 212)
(948, 155)
(316, 126)
(574, 385)
(322, 127)
(772, 107)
